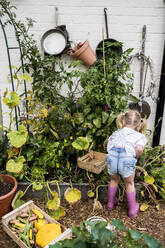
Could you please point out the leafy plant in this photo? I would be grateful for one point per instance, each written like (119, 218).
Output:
(59, 122)
(4, 147)
(151, 173)
(100, 236)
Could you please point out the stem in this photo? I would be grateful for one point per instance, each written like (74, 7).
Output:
(11, 120)
(97, 188)
(27, 189)
(47, 184)
(156, 158)
(58, 189)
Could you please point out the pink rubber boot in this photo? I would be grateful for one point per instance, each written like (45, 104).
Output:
(132, 204)
(112, 199)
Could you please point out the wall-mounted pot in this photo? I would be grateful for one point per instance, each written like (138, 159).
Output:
(108, 43)
(56, 40)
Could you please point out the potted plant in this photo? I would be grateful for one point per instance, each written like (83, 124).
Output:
(8, 186)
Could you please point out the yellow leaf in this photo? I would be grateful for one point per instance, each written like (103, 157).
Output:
(45, 111)
(57, 165)
(142, 193)
(68, 164)
(28, 98)
(54, 133)
(148, 179)
(72, 195)
(158, 207)
(144, 207)
(155, 187)
(91, 193)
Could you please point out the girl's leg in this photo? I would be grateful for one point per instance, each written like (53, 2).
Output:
(131, 196)
(129, 183)
(112, 189)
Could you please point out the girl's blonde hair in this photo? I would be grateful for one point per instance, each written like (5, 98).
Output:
(132, 118)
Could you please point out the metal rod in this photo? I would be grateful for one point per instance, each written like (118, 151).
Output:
(13, 47)
(10, 68)
(21, 57)
(160, 106)
(142, 60)
(106, 22)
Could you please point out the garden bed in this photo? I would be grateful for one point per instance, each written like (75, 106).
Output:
(150, 221)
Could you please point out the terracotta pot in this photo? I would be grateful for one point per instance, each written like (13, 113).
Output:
(5, 201)
(83, 52)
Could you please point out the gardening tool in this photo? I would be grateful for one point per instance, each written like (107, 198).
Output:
(142, 106)
(55, 41)
(111, 44)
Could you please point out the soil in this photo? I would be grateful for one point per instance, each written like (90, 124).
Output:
(5, 188)
(151, 221)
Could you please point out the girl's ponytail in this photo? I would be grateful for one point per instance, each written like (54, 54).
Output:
(119, 121)
(143, 126)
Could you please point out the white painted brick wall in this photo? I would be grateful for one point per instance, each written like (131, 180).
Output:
(84, 19)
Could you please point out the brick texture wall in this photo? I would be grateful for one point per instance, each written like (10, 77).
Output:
(84, 19)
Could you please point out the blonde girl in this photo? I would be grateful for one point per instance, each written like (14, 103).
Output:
(124, 147)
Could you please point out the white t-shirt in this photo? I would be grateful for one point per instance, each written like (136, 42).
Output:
(126, 138)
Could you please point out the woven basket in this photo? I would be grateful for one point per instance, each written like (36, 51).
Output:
(93, 161)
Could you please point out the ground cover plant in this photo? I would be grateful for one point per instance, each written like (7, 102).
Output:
(98, 234)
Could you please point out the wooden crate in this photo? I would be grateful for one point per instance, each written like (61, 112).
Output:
(67, 233)
(93, 161)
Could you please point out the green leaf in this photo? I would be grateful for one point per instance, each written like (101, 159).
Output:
(15, 166)
(12, 101)
(26, 77)
(133, 98)
(79, 244)
(18, 138)
(17, 201)
(105, 236)
(135, 234)
(58, 213)
(81, 143)
(37, 186)
(76, 230)
(97, 122)
(105, 117)
(118, 224)
(148, 179)
(151, 242)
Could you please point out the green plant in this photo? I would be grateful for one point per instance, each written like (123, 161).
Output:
(88, 109)
(151, 173)
(97, 235)
(4, 147)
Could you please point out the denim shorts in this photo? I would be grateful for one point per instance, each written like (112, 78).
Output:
(118, 162)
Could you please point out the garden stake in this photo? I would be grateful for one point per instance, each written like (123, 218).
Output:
(103, 52)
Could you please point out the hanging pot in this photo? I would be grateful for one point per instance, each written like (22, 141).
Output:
(143, 107)
(55, 41)
(110, 44)
(84, 52)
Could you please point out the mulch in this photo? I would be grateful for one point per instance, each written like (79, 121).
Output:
(151, 221)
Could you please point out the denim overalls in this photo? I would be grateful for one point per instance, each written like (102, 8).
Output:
(118, 162)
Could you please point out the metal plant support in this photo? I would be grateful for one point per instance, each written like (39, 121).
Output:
(10, 65)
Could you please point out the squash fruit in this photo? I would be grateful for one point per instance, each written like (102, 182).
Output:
(47, 233)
